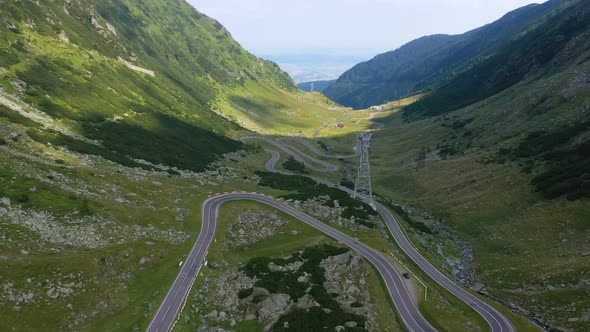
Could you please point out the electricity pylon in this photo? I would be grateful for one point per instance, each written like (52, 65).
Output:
(362, 185)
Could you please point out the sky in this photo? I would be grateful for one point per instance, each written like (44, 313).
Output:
(323, 38)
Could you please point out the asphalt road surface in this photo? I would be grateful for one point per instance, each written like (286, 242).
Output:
(172, 305)
(406, 307)
(497, 321)
(324, 167)
(322, 153)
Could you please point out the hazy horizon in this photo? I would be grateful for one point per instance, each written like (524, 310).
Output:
(333, 31)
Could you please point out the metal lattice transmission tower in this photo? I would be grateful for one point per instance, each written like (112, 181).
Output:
(362, 185)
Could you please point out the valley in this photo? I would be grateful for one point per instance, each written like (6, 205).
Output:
(155, 175)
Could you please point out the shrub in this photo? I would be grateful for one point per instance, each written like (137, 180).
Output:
(567, 165)
(163, 139)
(293, 165)
(258, 298)
(244, 293)
(16, 117)
(346, 183)
(324, 146)
(73, 144)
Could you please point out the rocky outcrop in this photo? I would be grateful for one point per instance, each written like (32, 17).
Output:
(233, 297)
(319, 207)
(346, 278)
(459, 267)
(89, 231)
(225, 294)
(251, 227)
(272, 308)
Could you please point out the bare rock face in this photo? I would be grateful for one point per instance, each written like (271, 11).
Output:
(346, 279)
(273, 307)
(306, 302)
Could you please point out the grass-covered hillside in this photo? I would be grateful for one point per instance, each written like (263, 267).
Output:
(509, 176)
(553, 45)
(117, 119)
(431, 61)
(150, 80)
(490, 168)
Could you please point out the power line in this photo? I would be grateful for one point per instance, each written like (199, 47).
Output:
(362, 186)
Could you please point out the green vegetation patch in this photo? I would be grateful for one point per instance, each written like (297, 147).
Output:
(420, 226)
(567, 162)
(308, 189)
(15, 117)
(33, 194)
(293, 165)
(568, 173)
(324, 146)
(527, 55)
(326, 317)
(59, 139)
(162, 139)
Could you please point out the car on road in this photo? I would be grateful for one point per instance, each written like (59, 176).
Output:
(406, 275)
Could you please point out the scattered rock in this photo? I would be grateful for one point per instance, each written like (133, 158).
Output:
(350, 324)
(88, 231)
(212, 314)
(477, 287)
(251, 227)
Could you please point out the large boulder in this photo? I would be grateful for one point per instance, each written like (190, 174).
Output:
(273, 307)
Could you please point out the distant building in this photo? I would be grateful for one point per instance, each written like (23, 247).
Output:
(340, 125)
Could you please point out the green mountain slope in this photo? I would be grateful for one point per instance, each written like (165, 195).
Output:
(495, 153)
(117, 120)
(551, 46)
(387, 76)
(138, 76)
(499, 157)
(509, 175)
(431, 61)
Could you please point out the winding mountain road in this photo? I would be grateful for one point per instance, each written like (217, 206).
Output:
(170, 308)
(321, 153)
(496, 320)
(413, 320)
(324, 167)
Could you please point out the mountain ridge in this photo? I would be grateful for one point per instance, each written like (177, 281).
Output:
(439, 62)
(136, 68)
